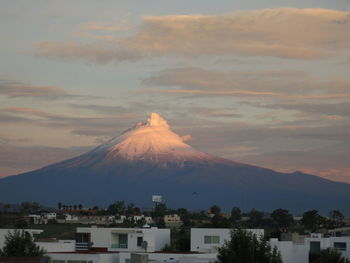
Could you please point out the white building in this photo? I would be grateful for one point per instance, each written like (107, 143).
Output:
(122, 239)
(317, 242)
(291, 252)
(91, 257)
(172, 220)
(207, 240)
(49, 216)
(57, 246)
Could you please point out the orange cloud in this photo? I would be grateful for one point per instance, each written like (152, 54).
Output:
(281, 32)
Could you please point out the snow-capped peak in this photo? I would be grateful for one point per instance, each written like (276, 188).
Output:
(155, 120)
(151, 141)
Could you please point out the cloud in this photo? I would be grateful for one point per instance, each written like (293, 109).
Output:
(98, 53)
(332, 111)
(14, 89)
(282, 85)
(281, 32)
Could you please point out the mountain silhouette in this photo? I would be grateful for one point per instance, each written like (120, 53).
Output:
(151, 159)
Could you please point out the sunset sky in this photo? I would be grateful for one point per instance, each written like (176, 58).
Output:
(264, 82)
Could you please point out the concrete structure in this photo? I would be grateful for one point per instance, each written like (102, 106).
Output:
(315, 243)
(5, 231)
(207, 240)
(91, 257)
(291, 252)
(122, 239)
(58, 246)
(167, 257)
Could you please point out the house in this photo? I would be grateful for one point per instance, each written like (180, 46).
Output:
(209, 239)
(121, 239)
(291, 252)
(83, 257)
(316, 243)
(172, 220)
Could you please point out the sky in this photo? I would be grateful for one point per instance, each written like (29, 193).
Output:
(261, 82)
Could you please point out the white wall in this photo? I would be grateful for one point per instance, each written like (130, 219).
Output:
(328, 242)
(60, 246)
(197, 237)
(291, 252)
(164, 257)
(95, 258)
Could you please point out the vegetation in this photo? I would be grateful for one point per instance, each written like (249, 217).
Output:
(328, 256)
(20, 244)
(246, 247)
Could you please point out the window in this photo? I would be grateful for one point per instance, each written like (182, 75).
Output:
(139, 241)
(315, 247)
(211, 239)
(340, 245)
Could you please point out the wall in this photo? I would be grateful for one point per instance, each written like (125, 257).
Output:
(95, 258)
(328, 242)
(291, 252)
(197, 237)
(60, 246)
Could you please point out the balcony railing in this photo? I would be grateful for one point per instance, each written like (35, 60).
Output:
(119, 246)
(82, 246)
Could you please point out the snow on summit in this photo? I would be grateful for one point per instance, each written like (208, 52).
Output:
(151, 141)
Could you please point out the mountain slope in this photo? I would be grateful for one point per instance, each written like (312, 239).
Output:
(151, 159)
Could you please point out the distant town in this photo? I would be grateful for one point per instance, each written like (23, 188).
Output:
(125, 233)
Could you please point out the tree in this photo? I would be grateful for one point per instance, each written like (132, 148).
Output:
(329, 255)
(282, 217)
(80, 206)
(236, 214)
(215, 209)
(311, 220)
(337, 217)
(59, 205)
(21, 223)
(117, 208)
(20, 244)
(255, 218)
(160, 210)
(245, 247)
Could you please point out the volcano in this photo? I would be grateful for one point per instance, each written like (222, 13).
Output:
(151, 159)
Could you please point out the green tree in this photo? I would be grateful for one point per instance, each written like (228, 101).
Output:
(311, 220)
(20, 244)
(245, 247)
(21, 223)
(236, 214)
(282, 217)
(337, 217)
(117, 208)
(215, 209)
(59, 205)
(256, 218)
(329, 255)
(160, 210)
